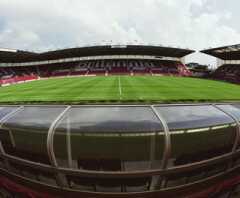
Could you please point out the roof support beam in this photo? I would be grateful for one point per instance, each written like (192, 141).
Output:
(167, 149)
(50, 146)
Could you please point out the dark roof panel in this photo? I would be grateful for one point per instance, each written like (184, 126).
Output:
(4, 111)
(111, 119)
(21, 56)
(193, 117)
(231, 52)
(34, 118)
(234, 110)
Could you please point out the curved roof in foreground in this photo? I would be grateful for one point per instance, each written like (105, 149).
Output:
(108, 119)
(118, 150)
(18, 56)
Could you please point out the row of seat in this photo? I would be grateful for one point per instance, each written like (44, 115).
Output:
(97, 67)
(229, 73)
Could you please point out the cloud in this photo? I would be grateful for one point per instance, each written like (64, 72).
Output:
(51, 24)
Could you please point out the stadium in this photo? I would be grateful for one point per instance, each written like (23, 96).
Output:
(228, 62)
(118, 121)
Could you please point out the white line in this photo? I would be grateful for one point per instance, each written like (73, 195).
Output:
(119, 87)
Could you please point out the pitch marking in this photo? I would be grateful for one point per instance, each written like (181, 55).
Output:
(119, 87)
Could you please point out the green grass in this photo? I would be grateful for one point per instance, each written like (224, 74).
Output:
(119, 89)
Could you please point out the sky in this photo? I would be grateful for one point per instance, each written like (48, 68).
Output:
(41, 25)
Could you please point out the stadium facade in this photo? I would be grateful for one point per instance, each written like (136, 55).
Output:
(228, 58)
(17, 66)
(117, 151)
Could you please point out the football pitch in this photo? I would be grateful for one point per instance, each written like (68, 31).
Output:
(119, 89)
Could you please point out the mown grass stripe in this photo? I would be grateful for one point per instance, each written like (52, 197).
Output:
(137, 89)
